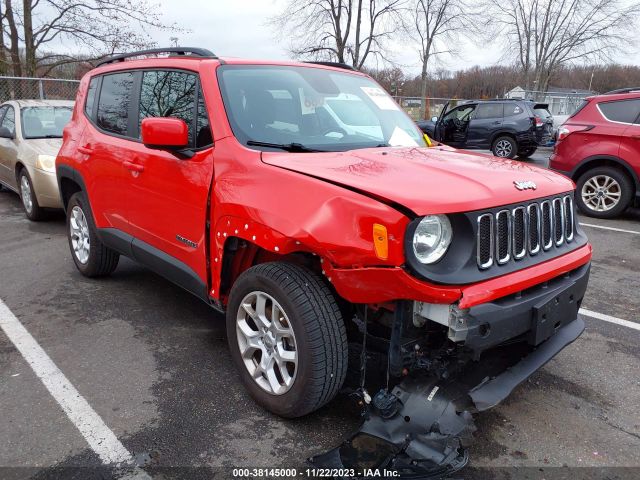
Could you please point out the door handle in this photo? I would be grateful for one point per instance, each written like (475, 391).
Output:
(87, 150)
(134, 167)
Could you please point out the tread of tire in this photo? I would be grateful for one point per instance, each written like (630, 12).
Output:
(322, 318)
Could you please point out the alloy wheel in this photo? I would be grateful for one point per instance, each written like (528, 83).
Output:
(79, 230)
(601, 193)
(267, 342)
(503, 148)
(25, 193)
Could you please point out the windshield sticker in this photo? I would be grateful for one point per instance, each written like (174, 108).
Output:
(309, 104)
(380, 98)
(400, 138)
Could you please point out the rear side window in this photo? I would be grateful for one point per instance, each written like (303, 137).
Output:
(91, 96)
(512, 109)
(166, 93)
(622, 111)
(114, 101)
(489, 110)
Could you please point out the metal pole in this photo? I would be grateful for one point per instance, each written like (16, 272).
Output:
(41, 89)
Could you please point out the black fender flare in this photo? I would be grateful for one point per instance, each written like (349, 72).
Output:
(65, 171)
(607, 158)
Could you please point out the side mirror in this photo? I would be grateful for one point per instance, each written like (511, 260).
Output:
(164, 133)
(6, 133)
(434, 119)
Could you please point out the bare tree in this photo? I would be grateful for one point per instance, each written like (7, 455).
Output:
(545, 35)
(96, 27)
(435, 26)
(347, 31)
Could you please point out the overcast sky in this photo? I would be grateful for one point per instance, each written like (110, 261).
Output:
(239, 28)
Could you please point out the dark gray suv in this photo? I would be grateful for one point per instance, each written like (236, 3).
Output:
(508, 128)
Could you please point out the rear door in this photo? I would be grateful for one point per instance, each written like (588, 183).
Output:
(630, 140)
(168, 197)
(8, 147)
(106, 146)
(486, 120)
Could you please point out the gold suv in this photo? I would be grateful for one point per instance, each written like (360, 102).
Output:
(30, 137)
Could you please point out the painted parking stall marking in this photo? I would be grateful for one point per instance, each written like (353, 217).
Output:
(613, 229)
(99, 437)
(610, 319)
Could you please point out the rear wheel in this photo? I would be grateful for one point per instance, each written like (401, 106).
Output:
(90, 255)
(287, 338)
(527, 152)
(604, 192)
(32, 209)
(504, 147)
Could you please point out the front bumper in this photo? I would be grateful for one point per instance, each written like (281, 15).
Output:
(45, 185)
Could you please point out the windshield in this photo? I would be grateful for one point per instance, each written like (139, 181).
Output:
(44, 122)
(318, 109)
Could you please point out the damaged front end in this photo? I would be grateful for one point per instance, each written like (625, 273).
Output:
(437, 366)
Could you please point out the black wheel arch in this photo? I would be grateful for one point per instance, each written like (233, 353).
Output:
(70, 181)
(604, 161)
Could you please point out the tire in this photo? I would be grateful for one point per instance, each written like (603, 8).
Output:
(32, 209)
(310, 311)
(527, 152)
(604, 192)
(504, 147)
(96, 260)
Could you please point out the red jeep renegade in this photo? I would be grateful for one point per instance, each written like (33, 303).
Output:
(302, 201)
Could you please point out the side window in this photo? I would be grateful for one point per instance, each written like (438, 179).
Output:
(91, 96)
(169, 94)
(624, 111)
(9, 120)
(113, 104)
(204, 138)
(512, 109)
(489, 110)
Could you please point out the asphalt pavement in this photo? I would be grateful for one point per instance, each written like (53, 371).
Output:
(152, 362)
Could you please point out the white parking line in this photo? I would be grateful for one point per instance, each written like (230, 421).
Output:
(100, 438)
(610, 319)
(609, 228)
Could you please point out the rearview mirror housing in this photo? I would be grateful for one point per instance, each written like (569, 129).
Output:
(164, 133)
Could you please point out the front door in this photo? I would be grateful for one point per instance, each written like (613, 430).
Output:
(487, 119)
(8, 147)
(168, 196)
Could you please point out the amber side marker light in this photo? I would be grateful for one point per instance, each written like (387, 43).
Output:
(380, 241)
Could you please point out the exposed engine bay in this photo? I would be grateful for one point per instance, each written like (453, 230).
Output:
(419, 372)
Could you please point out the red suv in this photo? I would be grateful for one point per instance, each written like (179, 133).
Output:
(299, 199)
(599, 148)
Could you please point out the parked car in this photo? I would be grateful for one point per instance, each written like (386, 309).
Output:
(448, 276)
(599, 148)
(30, 137)
(508, 128)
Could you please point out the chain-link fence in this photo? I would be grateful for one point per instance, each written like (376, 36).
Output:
(17, 88)
(561, 102)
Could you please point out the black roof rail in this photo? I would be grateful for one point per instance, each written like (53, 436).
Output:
(176, 51)
(623, 90)
(344, 66)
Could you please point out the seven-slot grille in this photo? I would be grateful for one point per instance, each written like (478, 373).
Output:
(511, 234)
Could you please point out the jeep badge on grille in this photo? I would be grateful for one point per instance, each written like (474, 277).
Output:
(526, 185)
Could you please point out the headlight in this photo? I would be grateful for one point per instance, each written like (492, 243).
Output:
(46, 163)
(432, 238)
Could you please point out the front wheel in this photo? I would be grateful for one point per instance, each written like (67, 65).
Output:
(604, 192)
(287, 338)
(32, 209)
(504, 147)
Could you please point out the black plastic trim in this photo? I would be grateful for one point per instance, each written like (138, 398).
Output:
(65, 171)
(459, 265)
(610, 158)
(156, 260)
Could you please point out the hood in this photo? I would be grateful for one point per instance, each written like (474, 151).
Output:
(44, 146)
(427, 180)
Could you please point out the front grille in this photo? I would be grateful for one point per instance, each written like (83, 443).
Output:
(512, 234)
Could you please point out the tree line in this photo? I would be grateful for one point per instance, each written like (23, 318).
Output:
(540, 39)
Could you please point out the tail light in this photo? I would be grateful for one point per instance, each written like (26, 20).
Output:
(565, 130)
(539, 122)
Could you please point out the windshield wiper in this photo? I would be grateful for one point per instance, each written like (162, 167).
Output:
(289, 147)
